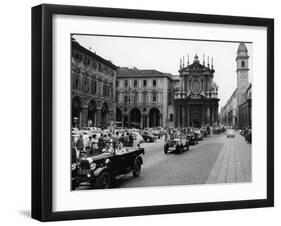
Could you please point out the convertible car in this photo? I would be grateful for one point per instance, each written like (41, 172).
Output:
(99, 170)
(176, 145)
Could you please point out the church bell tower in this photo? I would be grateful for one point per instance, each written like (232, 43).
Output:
(242, 72)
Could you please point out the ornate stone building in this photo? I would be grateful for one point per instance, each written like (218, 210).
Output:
(93, 88)
(144, 98)
(196, 100)
(237, 110)
(245, 109)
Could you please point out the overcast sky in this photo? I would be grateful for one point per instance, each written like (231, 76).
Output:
(164, 55)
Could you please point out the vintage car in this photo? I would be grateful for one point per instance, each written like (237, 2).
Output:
(199, 134)
(248, 136)
(148, 137)
(205, 131)
(191, 136)
(230, 133)
(99, 170)
(177, 145)
(74, 175)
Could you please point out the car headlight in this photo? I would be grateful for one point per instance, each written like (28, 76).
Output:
(73, 166)
(93, 166)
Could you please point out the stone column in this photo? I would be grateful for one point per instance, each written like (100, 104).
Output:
(180, 115)
(141, 121)
(176, 115)
(148, 118)
(98, 117)
(183, 115)
(213, 114)
(188, 115)
(84, 118)
(208, 114)
(203, 112)
(216, 112)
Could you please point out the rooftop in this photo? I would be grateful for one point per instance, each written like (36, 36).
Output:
(76, 45)
(125, 71)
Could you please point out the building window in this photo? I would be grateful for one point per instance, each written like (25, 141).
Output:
(144, 83)
(243, 64)
(104, 90)
(154, 83)
(169, 98)
(126, 99)
(111, 92)
(76, 83)
(116, 83)
(86, 61)
(171, 117)
(92, 87)
(126, 83)
(135, 83)
(135, 98)
(144, 98)
(95, 87)
(144, 109)
(78, 57)
(154, 97)
(94, 65)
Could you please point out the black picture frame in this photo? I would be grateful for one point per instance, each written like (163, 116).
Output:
(42, 111)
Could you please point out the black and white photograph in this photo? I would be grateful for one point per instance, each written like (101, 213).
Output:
(156, 111)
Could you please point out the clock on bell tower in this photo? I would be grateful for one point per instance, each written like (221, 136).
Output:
(242, 72)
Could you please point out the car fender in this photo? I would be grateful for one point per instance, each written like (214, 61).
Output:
(98, 171)
(138, 158)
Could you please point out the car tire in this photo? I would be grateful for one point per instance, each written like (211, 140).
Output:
(103, 181)
(137, 168)
(74, 185)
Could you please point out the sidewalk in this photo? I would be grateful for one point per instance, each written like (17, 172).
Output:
(233, 163)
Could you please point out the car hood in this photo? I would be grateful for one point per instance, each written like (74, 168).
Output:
(97, 157)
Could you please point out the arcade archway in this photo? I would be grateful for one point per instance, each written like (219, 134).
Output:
(104, 115)
(92, 111)
(135, 117)
(154, 117)
(118, 115)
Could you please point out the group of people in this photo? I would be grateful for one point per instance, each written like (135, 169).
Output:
(95, 144)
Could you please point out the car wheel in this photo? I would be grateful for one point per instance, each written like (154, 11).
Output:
(103, 180)
(137, 168)
(74, 185)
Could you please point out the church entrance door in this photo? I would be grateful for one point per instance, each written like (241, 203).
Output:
(196, 115)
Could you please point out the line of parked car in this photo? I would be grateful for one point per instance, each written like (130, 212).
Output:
(247, 134)
(178, 140)
(140, 136)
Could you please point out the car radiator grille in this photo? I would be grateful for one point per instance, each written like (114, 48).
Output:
(84, 164)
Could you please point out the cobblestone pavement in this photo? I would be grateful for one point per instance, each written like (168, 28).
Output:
(234, 162)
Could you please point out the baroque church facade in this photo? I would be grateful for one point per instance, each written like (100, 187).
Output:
(196, 99)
